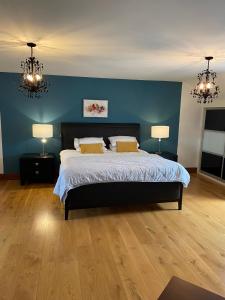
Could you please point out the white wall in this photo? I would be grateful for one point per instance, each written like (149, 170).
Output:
(191, 122)
(1, 155)
(189, 127)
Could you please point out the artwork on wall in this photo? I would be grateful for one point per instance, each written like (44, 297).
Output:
(95, 108)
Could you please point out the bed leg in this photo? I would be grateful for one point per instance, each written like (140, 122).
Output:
(180, 199)
(66, 214)
(179, 204)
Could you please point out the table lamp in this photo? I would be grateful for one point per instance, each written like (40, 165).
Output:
(160, 132)
(42, 131)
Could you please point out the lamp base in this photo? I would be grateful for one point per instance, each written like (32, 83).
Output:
(158, 152)
(43, 154)
(159, 149)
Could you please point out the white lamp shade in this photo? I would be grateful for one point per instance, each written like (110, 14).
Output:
(160, 132)
(42, 130)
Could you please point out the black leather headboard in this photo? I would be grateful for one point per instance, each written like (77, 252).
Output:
(71, 130)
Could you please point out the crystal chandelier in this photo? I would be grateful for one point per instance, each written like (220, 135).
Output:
(32, 81)
(206, 89)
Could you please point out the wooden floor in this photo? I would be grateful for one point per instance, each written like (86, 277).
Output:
(108, 253)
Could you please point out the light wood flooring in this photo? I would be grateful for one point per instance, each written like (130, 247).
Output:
(111, 253)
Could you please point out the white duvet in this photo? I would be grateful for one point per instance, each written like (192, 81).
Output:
(81, 169)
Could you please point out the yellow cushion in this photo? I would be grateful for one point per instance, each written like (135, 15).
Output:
(91, 148)
(126, 147)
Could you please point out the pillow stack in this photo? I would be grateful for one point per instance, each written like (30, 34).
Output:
(123, 144)
(97, 144)
(90, 145)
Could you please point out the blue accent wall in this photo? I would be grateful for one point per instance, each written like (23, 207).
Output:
(145, 102)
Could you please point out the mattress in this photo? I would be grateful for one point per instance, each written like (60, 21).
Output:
(78, 169)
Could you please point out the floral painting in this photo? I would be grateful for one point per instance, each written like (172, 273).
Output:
(95, 108)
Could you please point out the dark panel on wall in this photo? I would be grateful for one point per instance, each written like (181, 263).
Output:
(215, 119)
(130, 101)
(211, 164)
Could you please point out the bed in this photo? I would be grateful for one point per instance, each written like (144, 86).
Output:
(104, 193)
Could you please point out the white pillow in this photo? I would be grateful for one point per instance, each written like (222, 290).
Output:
(88, 140)
(121, 138)
(113, 149)
(76, 143)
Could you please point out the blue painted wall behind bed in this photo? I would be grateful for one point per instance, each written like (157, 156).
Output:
(144, 102)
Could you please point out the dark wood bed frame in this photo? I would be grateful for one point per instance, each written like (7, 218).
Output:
(114, 193)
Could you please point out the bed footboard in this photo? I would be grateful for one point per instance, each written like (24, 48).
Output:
(123, 193)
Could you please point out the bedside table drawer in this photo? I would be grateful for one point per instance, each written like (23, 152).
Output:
(37, 173)
(38, 176)
(36, 163)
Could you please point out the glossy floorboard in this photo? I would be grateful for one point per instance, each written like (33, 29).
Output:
(111, 253)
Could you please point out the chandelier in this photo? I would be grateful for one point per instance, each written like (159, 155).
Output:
(32, 81)
(206, 89)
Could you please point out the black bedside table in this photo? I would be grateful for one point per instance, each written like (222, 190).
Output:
(36, 168)
(167, 155)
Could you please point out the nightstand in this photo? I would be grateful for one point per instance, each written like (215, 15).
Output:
(36, 168)
(168, 155)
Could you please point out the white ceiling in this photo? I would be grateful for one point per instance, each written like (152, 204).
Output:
(137, 39)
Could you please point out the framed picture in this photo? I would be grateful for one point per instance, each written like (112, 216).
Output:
(95, 108)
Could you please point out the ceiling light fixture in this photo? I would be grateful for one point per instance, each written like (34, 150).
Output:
(32, 81)
(206, 89)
